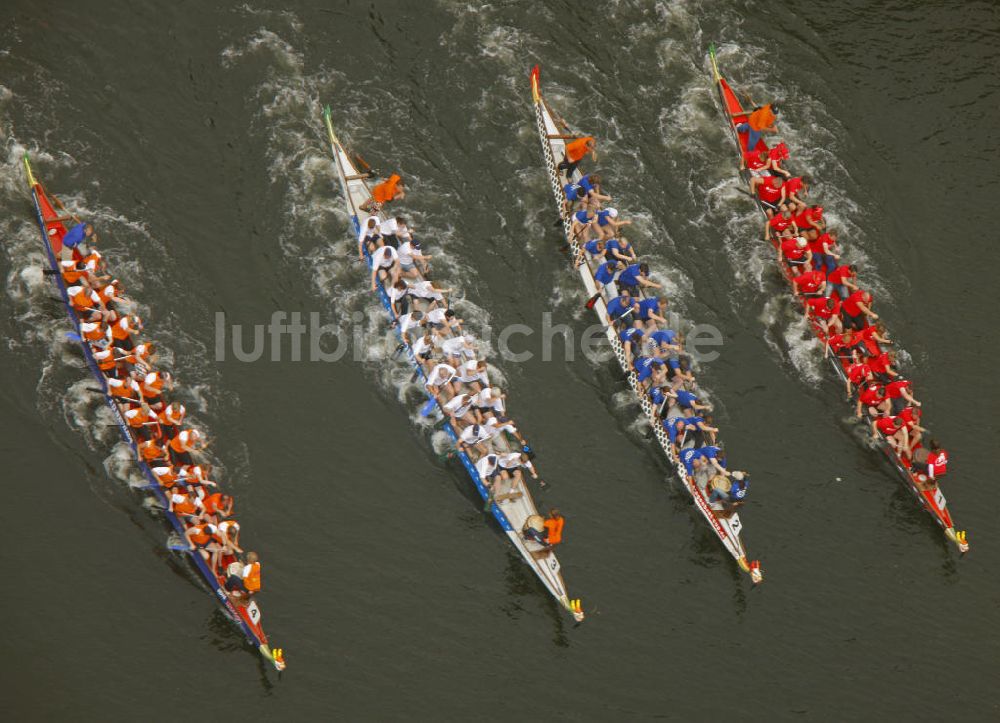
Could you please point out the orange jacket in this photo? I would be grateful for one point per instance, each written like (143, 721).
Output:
(577, 149)
(251, 577)
(150, 451)
(553, 530)
(762, 118)
(105, 359)
(385, 191)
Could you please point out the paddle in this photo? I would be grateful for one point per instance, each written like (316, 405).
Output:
(105, 394)
(428, 408)
(620, 318)
(73, 336)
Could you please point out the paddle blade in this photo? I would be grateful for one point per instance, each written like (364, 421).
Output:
(428, 408)
(73, 336)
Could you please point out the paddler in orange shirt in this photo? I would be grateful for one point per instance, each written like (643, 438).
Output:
(576, 151)
(760, 121)
(391, 189)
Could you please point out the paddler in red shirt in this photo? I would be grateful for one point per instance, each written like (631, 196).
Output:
(779, 223)
(894, 430)
(794, 189)
(825, 311)
(842, 278)
(881, 364)
(794, 250)
(871, 337)
(871, 396)
(855, 311)
(811, 283)
(765, 159)
(841, 343)
(857, 373)
(825, 253)
(911, 418)
(931, 462)
(812, 217)
(899, 394)
(770, 190)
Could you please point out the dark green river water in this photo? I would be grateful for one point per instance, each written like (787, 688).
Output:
(190, 133)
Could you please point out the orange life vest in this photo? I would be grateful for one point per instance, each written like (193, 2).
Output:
(122, 329)
(80, 297)
(385, 191)
(105, 359)
(553, 530)
(149, 451)
(152, 385)
(251, 577)
(122, 388)
(184, 441)
(577, 149)
(107, 293)
(70, 273)
(137, 417)
(92, 331)
(762, 118)
(213, 503)
(165, 476)
(183, 505)
(203, 534)
(173, 414)
(92, 261)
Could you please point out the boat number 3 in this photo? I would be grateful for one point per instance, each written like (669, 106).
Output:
(253, 612)
(553, 563)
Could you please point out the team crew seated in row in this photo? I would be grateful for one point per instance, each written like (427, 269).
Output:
(171, 449)
(653, 350)
(838, 307)
(455, 375)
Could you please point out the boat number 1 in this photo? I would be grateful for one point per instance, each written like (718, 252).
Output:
(253, 612)
(939, 498)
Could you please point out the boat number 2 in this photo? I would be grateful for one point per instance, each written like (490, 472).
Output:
(735, 524)
(253, 612)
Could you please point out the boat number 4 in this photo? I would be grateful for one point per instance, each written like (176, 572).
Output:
(253, 612)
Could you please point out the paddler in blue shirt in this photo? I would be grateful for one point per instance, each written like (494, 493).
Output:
(631, 339)
(606, 272)
(649, 311)
(81, 232)
(583, 222)
(689, 400)
(636, 276)
(608, 223)
(621, 249)
(645, 366)
(707, 455)
(622, 307)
